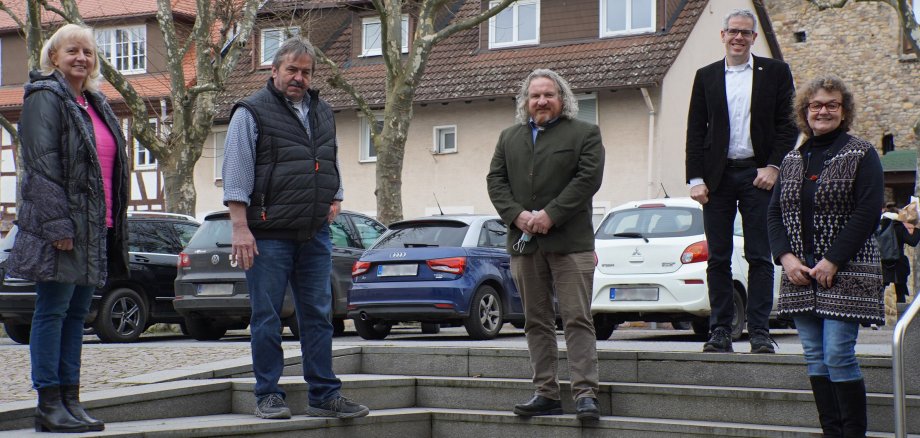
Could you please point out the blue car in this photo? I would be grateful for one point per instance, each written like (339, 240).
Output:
(437, 270)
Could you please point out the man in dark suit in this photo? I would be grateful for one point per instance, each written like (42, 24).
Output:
(739, 129)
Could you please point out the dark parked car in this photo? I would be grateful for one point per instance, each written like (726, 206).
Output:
(123, 308)
(211, 292)
(438, 270)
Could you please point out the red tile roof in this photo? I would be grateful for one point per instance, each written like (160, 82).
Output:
(95, 10)
(459, 69)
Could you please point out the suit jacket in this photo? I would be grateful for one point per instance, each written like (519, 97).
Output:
(773, 130)
(559, 174)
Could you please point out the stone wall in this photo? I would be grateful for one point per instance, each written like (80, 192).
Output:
(861, 43)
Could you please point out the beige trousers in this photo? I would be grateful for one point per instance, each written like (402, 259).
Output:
(571, 275)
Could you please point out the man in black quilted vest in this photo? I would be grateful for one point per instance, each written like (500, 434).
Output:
(283, 187)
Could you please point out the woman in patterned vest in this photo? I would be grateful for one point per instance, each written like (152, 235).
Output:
(822, 220)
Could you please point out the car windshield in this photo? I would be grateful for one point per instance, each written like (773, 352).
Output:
(652, 222)
(423, 234)
(214, 232)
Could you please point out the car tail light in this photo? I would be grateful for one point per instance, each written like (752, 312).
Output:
(651, 206)
(698, 252)
(359, 268)
(453, 265)
(183, 261)
(595, 259)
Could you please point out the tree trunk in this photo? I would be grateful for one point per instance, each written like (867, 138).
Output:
(391, 149)
(179, 180)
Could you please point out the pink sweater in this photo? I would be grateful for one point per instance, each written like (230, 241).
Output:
(105, 149)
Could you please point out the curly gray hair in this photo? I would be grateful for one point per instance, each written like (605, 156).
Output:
(569, 102)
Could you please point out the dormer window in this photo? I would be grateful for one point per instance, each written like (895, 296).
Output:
(621, 17)
(517, 25)
(271, 41)
(124, 47)
(371, 40)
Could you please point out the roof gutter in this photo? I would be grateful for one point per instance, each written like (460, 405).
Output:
(651, 142)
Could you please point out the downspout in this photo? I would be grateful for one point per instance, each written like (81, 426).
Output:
(651, 141)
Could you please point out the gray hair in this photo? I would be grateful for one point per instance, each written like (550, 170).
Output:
(744, 13)
(296, 46)
(569, 102)
(66, 34)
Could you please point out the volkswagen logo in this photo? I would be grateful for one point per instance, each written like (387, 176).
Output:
(397, 255)
(215, 259)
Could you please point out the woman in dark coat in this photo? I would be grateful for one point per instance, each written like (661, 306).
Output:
(898, 272)
(822, 221)
(72, 222)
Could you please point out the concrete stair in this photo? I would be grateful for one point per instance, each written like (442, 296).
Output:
(458, 391)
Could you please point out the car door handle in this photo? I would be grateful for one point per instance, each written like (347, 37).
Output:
(141, 259)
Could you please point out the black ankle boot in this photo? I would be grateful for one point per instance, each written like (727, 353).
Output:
(70, 395)
(828, 410)
(851, 396)
(52, 416)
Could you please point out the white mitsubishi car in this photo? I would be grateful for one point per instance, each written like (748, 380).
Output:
(651, 266)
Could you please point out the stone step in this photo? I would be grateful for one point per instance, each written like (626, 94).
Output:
(440, 423)
(775, 407)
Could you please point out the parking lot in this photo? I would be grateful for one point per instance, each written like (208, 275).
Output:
(103, 364)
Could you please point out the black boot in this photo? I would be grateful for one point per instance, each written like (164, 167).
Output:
(52, 416)
(851, 396)
(828, 410)
(70, 394)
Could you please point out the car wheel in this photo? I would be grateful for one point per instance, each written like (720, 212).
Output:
(122, 316)
(19, 333)
(740, 318)
(700, 326)
(431, 328)
(372, 329)
(604, 327)
(183, 328)
(202, 330)
(485, 320)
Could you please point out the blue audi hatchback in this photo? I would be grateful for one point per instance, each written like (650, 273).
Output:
(438, 270)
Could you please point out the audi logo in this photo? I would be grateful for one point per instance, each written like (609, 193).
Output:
(397, 255)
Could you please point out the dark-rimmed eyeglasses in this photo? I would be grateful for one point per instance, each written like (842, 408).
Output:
(732, 32)
(831, 107)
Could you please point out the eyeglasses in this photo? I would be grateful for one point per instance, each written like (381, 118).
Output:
(732, 32)
(831, 106)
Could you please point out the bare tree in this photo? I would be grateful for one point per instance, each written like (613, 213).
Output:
(403, 75)
(220, 30)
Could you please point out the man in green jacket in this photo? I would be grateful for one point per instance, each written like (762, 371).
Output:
(544, 172)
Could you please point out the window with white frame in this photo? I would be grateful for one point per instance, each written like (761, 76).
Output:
(220, 137)
(271, 41)
(368, 153)
(372, 39)
(620, 17)
(587, 108)
(143, 159)
(124, 47)
(517, 25)
(445, 139)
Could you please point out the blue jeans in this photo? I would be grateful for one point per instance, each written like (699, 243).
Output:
(307, 266)
(56, 340)
(830, 347)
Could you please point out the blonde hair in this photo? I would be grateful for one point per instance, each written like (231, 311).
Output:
(68, 33)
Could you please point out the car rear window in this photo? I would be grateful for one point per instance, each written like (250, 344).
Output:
(423, 234)
(214, 232)
(652, 222)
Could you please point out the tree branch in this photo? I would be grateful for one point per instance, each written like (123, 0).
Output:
(337, 80)
(5, 8)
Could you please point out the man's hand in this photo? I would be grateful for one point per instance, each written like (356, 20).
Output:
(63, 244)
(541, 222)
(798, 273)
(523, 222)
(700, 193)
(824, 272)
(334, 210)
(766, 177)
(910, 227)
(244, 246)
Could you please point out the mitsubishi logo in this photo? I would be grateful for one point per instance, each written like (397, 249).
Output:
(636, 253)
(397, 255)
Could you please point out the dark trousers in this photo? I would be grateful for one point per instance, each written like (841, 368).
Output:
(736, 192)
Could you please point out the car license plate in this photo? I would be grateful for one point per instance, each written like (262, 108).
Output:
(397, 270)
(215, 289)
(634, 294)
